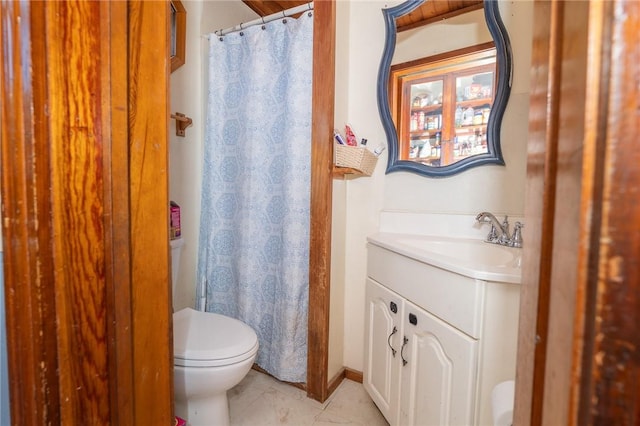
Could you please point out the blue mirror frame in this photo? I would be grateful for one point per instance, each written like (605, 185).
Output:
(504, 65)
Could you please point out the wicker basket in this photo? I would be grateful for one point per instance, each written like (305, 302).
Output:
(355, 157)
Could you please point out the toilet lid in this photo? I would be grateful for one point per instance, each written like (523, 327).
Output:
(206, 339)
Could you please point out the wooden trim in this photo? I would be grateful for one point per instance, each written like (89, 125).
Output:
(66, 133)
(344, 373)
(149, 201)
(116, 195)
(321, 192)
(539, 213)
(180, 29)
(335, 381)
(606, 342)
(580, 263)
(354, 375)
(26, 227)
(74, 103)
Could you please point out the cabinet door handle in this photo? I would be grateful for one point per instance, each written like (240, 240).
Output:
(395, 330)
(404, 343)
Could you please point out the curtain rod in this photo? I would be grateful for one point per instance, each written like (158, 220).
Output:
(268, 18)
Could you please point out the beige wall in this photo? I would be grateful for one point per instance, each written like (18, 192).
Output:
(499, 189)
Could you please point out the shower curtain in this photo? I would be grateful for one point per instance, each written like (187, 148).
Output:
(253, 260)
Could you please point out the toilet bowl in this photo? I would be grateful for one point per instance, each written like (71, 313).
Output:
(212, 354)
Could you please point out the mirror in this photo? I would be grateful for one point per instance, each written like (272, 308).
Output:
(448, 105)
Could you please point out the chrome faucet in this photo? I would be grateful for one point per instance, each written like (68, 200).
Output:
(499, 233)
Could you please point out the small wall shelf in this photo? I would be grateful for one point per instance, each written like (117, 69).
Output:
(182, 122)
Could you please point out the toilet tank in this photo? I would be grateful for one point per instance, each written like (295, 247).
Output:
(176, 249)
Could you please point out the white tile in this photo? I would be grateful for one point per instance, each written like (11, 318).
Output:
(354, 404)
(261, 400)
(277, 408)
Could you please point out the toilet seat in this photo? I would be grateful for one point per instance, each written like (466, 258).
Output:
(205, 339)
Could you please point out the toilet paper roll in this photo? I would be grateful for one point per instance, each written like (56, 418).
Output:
(502, 398)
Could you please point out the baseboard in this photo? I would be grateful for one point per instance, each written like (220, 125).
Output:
(344, 373)
(335, 382)
(354, 375)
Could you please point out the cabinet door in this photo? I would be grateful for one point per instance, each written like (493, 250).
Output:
(382, 337)
(439, 377)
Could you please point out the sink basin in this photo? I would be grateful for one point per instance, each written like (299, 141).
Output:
(469, 257)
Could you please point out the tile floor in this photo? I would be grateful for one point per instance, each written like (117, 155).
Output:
(261, 400)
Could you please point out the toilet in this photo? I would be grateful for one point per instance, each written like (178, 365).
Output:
(212, 353)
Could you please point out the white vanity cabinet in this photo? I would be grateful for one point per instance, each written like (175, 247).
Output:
(439, 376)
(454, 338)
(383, 340)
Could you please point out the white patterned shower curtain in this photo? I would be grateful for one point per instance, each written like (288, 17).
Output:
(253, 255)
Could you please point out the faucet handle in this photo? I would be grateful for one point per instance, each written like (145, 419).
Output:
(492, 237)
(516, 239)
(504, 238)
(505, 224)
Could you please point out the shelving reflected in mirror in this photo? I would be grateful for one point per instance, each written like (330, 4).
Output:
(443, 87)
(441, 105)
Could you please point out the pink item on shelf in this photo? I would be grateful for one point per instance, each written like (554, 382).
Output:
(174, 220)
(180, 422)
(351, 136)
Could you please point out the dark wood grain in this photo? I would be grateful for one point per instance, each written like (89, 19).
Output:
(26, 226)
(68, 87)
(580, 272)
(430, 11)
(321, 193)
(117, 223)
(74, 89)
(433, 11)
(607, 345)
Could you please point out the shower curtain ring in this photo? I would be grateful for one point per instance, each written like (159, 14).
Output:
(264, 27)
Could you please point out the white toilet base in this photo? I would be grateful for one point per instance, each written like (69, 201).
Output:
(201, 392)
(211, 411)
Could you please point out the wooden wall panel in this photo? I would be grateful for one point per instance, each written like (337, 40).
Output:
(321, 192)
(26, 231)
(606, 364)
(84, 211)
(77, 197)
(149, 198)
(117, 231)
(579, 295)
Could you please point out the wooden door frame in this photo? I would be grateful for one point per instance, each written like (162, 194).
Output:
(581, 278)
(321, 198)
(85, 227)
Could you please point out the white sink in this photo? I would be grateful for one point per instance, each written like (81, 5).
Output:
(469, 257)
